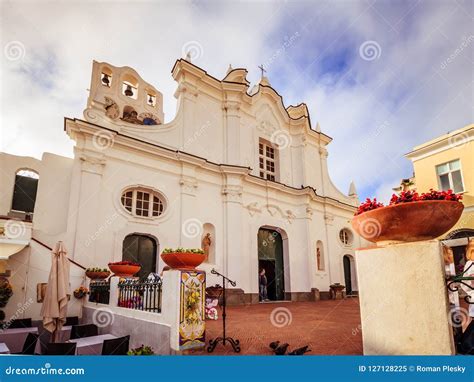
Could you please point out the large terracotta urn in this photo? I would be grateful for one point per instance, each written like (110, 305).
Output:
(124, 270)
(183, 260)
(406, 222)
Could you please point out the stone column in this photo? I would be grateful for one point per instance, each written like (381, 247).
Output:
(92, 168)
(185, 317)
(234, 259)
(191, 226)
(188, 95)
(403, 300)
(232, 133)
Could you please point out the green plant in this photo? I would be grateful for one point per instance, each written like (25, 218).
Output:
(142, 350)
(183, 250)
(96, 269)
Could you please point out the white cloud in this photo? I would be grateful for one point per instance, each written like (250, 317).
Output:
(375, 110)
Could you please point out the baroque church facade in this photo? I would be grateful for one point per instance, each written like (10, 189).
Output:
(235, 170)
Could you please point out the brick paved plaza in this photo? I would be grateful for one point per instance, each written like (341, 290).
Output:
(329, 327)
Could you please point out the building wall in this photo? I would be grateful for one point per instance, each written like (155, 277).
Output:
(456, 145)
(425, 170)
(205, 164)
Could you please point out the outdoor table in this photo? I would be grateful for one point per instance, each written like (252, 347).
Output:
(4, 348)
(91, 345)
(14, 339)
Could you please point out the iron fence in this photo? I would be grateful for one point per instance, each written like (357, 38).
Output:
(99, 291)
(140, 294)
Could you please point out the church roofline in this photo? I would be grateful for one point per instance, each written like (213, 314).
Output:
(218, 83)
(244, 170)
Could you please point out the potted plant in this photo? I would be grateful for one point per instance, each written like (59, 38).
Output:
(80, 292)
(97, 273)
(124, 268)
(183, 258)
(409, 217)
(142, 350)
(6, 292)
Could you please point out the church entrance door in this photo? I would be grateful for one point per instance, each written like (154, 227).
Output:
(270, 258)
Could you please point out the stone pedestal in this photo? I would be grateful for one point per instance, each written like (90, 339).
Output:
(183, 308)
(403, 300)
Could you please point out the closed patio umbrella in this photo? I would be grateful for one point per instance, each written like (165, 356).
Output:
(54, 309)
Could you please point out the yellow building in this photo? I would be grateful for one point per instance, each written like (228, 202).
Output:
(447, 162)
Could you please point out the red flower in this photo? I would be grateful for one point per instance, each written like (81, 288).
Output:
(405, 197)
(368, 205)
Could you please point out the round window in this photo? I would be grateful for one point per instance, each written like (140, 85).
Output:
(143, 202)
(345, 236)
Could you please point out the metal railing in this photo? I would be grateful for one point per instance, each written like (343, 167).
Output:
(99, 291)
(140, 294)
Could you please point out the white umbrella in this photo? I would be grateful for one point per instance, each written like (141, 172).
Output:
(54, 309)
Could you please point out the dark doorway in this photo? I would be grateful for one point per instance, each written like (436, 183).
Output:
(347, 274)
(140, 249)
(24, 193)
(270, 258)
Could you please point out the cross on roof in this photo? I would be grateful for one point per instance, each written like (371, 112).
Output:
(263, 70)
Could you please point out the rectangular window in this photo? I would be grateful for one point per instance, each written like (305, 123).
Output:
(266, 161)
(450, 177)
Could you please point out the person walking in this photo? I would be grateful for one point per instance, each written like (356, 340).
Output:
(262, 285)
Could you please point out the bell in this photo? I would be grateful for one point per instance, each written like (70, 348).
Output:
(128, 91)
(150, 100)
(105, 79)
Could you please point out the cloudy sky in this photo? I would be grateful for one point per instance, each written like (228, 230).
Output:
(379, 76)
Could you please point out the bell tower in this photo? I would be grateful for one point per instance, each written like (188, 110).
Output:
(122, 96)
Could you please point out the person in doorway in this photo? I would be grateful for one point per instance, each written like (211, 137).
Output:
(262, 282)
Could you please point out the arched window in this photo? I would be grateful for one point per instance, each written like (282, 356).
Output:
(24, 192)
(346, 237)
(140, 249)
(143, 202)
(319, 256)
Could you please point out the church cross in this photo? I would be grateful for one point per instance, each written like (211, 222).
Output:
(263, 70)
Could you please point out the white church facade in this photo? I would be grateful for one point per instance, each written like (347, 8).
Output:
(234, 165)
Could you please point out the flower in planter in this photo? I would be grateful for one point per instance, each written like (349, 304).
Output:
(408, 197)
(405, 197)
(80, 292)
(441, 195)
(96, 269)
(368, 205)
(183, 250)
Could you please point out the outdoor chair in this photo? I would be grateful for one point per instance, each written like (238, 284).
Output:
(70, 321)
(116, 346)
(61, 348)
(30, 344)
(20, 323)
(81, 331)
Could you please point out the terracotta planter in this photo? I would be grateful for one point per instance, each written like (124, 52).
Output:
(183, 260)
(406, 222)
(97, 275)
(125, 270)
